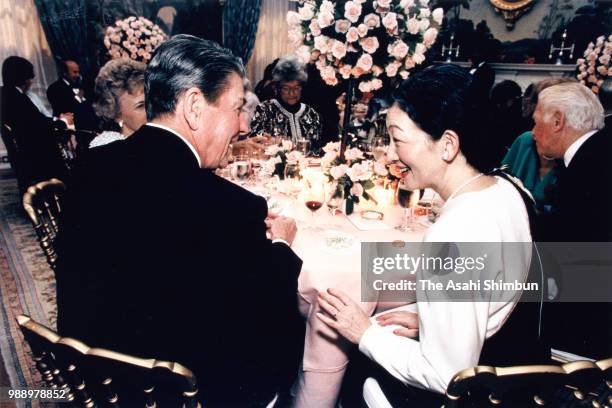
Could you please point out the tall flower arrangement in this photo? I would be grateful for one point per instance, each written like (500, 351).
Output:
(594, 68)
(363, 39)
(134, 37)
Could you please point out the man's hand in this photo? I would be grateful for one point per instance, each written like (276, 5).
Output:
(281, 228)
(408, 320)
(68, 117)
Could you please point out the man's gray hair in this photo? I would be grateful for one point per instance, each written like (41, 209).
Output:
(580, 105)
(289, 68)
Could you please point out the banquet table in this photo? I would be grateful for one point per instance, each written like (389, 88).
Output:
(325, 354)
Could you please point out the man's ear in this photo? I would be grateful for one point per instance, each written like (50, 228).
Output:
(449, 145)
(557, 120)
(193, 104)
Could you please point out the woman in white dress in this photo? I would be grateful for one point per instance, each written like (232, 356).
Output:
(437, 139)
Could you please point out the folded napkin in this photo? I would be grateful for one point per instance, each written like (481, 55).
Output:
(367, 225)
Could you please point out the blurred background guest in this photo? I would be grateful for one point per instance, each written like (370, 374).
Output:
(39, 155)
(285, 115)
(537, 173)
(66, 94)
(506, 112)
(265, 88)
(119, 100)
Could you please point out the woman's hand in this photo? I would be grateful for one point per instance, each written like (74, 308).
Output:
(408, 320)
(343, 314)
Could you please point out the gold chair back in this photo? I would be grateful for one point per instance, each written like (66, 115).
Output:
(91, 377)
(571, 385)
(42, 203)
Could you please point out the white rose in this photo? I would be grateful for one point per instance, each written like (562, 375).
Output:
(352, 11)
(303, 53)
(325, 19)
(380, 169)
(342, 26)
(418, 58)
(413, 26)
(424, 13)
(429, 37)
(399, 49)
(362, 29)
(287, 145)
(321, 43)
(389, 21)
(406, 5)
(376, 84)
(357, 190)
(365, 87)
(420, 49)
(272, 150)
(365, 62)
(369, 44)
(338, 49)
(438, 15)
(372, 20)
(328, 73)
(424, 3)
(294, 157)
(327, 7)
(331, 147)
(352, 35)
(353, 154)
(424, 24)
(296, 38)
(345, 71)
(306, 12)
(409, 63)
(392, 68)
(404, 74)
(293, 19)
(332, 81)
(383, 3)
(338, 171)
(315, 30)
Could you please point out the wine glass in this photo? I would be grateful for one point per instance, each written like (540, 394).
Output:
(292, 179)
(314, 198)
(241, 168)
(379, 148)
(407, 199)
(335, 197)
(303, 146)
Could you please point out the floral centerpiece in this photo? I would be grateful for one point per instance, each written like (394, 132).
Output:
(351, 173)
(134, 37)
(594, 68)
(281, 155)
(363, 39)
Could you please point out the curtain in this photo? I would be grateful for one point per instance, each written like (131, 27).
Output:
(271, 40)
(65, 23)
(240, 19)
(21, 34)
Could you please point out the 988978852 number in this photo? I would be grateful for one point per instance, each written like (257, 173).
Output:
(41, 394)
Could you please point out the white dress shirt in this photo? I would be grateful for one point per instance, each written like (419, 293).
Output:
(452, 334)
(573, 149)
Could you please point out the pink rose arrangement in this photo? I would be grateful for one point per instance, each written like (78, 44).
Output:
(363, 39)
(594, 68)
(134, 37)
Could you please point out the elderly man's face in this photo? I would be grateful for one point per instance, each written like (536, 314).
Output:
(546, 135)
(73, 73)
(220, 123)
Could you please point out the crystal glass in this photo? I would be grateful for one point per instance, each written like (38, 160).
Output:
(407, 199)
(379, 148)
(292, 179)
(314, 199)
(303, 146)
(334, 197)
(241, 168)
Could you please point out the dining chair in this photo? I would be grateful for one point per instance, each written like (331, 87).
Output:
(43, 204)
(90, 377)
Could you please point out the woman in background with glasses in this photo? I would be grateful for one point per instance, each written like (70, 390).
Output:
(285, 116)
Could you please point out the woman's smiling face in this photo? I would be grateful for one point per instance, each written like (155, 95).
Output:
(415, 149)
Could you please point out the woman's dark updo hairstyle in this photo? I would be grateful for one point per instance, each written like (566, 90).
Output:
(443, 97)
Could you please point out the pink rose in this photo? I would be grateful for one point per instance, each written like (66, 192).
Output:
(315, 30)
(392, 68)
(293, 19)
(345, 71)
(321, 43)
(418, 58)
(424, 13)
(409, 63)
(610, 71)
(357, 72)
(602, 70)
(406, 5)
(303, 53)
(604, 59)
(353, 154)
(413, 26)
(338, 49)
(580, 61)
(404, 74)
(327, 7)
(306, 12)
(365, 87)
(342, 26)
(376, 84)
(338, 171)
(376, 70)
(372, 20)
(420, 49)
(352, 35)
(357, 190)
(389, 21)
(325, 19)
(332, 147)
(424, 24)
(332, 81)
(438, 15)
(362, 29)
(383, 3)
(328, 72)
(352, 11)
(369, 44)
(365, 62)
(424, 3)
(296, 38)
(429, 37)
(399, 49)
(380, 169)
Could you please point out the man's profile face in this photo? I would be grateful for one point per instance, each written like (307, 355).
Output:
(544, 134)
(73, 73)
(220, 123)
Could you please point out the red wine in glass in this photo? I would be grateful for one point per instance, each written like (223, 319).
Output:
(314, 205)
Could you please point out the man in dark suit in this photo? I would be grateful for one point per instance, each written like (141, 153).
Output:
(161, 258)
(569, 125)
(38, 156)
(66, 95)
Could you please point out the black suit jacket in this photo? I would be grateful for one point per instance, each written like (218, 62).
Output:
(160, 258)
(62, 98)
(39, 154)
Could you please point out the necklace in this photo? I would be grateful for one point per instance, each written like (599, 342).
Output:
(462, 186)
